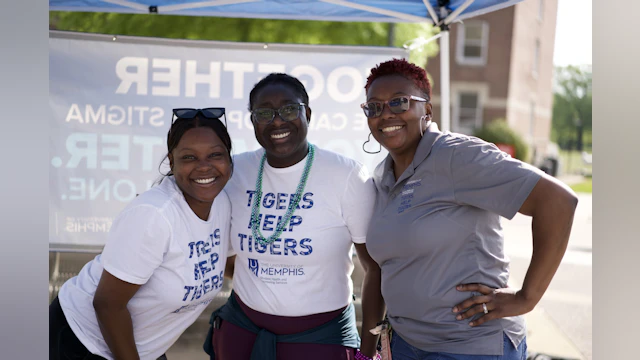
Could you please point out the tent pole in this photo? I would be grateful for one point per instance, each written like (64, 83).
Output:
(445, 102)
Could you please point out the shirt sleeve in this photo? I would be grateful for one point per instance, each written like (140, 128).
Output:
(357, 203)
(136, 244)
(488, 178)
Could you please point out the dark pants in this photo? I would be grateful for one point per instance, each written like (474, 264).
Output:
(63, 343)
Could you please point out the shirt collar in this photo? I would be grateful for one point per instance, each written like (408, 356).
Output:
(383, 174)
(426, 144)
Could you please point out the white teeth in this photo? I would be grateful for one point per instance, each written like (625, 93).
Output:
(391, 128)
(205, 181)
(280, 136)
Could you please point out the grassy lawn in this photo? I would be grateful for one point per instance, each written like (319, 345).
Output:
(571, 163)
(583, 187)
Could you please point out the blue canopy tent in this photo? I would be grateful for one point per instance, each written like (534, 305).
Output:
(441, 13)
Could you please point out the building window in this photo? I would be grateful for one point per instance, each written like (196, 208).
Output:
(468, 114)
(473, 40)
(540, 10)
(536, 59)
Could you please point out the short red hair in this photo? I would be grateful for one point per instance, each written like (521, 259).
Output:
(403, 68)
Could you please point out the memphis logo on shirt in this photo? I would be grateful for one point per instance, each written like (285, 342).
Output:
(269, 270)
(254, 266)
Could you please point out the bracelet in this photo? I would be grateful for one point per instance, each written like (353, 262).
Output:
(361, 356)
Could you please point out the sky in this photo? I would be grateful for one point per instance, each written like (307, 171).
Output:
(573, 33)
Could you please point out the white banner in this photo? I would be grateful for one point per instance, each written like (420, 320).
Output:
(111, 101)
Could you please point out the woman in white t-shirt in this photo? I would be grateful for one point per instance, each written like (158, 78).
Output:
(164, 259)
(297, 211)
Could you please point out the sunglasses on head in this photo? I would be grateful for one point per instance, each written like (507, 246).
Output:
(397, 105)
(207, 113)
(287, 112)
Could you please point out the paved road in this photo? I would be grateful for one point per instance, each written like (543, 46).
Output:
(568, 299)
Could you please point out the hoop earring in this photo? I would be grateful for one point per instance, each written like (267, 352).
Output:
(424, 117)
(365, 143)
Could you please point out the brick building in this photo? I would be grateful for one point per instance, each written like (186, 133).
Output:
(501, 66)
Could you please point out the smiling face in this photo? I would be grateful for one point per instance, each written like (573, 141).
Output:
(398, 133)
(201, 166)
(285, 142)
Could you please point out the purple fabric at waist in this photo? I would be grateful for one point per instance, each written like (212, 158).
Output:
(284, 325)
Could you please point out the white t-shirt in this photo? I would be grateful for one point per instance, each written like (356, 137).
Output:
(179, 259)
(307, 269)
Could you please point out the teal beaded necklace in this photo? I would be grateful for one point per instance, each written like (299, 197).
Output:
(282, 224)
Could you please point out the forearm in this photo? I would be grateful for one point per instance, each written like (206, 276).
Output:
(373, 309)
(230, 267)
(552, 205)
(551, 227)
(117, 329)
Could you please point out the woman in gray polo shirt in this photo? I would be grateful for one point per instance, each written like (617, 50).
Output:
(436, 230)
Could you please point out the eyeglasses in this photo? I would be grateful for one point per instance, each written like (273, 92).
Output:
(397, 105)
(287, 112)
(208, 113)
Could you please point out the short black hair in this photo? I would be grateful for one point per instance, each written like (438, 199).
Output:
(279, 78)
(180, 127)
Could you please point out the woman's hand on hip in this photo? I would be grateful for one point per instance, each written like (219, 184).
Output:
(492, 304)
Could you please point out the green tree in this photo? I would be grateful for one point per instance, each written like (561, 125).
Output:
(246, 30)
(499, 132)
(571, 119)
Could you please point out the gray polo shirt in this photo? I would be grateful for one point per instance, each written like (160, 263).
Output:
(439, 226)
